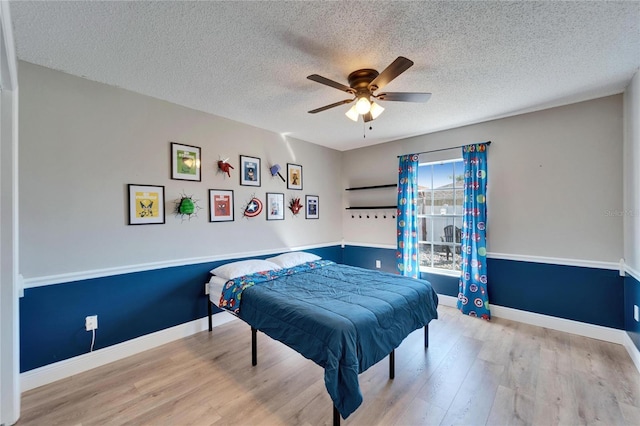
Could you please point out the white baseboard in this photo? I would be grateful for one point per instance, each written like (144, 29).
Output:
(68, 367)
(606, 334)
(634, 353)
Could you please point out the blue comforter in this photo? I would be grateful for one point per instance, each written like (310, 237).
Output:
(344, 318)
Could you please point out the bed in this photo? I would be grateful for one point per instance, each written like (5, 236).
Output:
(344, 318)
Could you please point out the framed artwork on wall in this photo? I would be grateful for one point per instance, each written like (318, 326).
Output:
(220, 205)
(146, 204)
(185, 162)
(249, 171)
(294, 176)
(312, 206)
(275, 206)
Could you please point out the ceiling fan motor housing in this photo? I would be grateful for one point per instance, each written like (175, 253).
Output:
(359, 80)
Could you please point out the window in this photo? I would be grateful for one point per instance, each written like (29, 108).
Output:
(440, 199)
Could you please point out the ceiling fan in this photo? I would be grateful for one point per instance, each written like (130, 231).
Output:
(362, 85)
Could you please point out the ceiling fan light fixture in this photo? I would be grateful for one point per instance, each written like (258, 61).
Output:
(376, 110)
(363, 105)
(363, 87)
(352, 113)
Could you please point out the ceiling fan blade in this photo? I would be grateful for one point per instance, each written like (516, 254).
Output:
(404, 96)
(367, 117)
(326, 107)
(397, 67)
(323, 80)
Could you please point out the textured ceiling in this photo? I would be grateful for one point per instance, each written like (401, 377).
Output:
(248, 61)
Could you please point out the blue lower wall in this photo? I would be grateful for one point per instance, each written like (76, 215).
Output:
(365, 257)
(128, 306)
(590, 295)
(631, 297)
(442, 284)
(136, 304)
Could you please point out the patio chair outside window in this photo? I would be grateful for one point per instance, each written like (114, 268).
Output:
(448, 238)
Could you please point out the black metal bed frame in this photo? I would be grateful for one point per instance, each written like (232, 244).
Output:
(254, 354)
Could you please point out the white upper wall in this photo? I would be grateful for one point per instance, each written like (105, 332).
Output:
(82, 142)
(632, 175)
(555, 181)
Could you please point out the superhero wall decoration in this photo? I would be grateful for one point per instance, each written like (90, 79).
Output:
(295, 206)
(253, 208)
(275, 171)
(187, 207)
(225, 167)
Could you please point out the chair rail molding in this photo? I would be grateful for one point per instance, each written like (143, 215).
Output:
(127, 269)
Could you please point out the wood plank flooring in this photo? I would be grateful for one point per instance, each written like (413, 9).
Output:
(474, 373)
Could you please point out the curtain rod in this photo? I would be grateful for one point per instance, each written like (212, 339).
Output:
(443, 149)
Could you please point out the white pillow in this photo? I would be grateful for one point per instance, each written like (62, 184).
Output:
(233, 270)
(294, 258)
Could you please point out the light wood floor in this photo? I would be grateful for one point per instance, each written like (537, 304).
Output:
(474, 373)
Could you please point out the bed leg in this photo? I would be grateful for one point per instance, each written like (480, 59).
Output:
(210, 315)
(254, 347)
(426, 336)
(336, 416)
(392, 364)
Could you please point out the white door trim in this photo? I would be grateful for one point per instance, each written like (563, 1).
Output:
(9, 291)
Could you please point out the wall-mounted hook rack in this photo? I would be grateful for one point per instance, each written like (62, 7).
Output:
(372, 215)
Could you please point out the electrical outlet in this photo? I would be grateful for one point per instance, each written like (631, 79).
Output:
(636, 315)
(91, 322)
(378, 265)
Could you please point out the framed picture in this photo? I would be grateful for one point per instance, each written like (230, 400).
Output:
(220, 205)
(312, 208)
(146, 204)
(275, 206)
(185, 162)
(249, 171)
(294, 176)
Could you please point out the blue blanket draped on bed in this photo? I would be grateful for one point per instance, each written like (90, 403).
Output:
(344, 318)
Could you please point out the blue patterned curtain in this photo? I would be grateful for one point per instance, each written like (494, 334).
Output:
(407, 254)
(473, 298)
